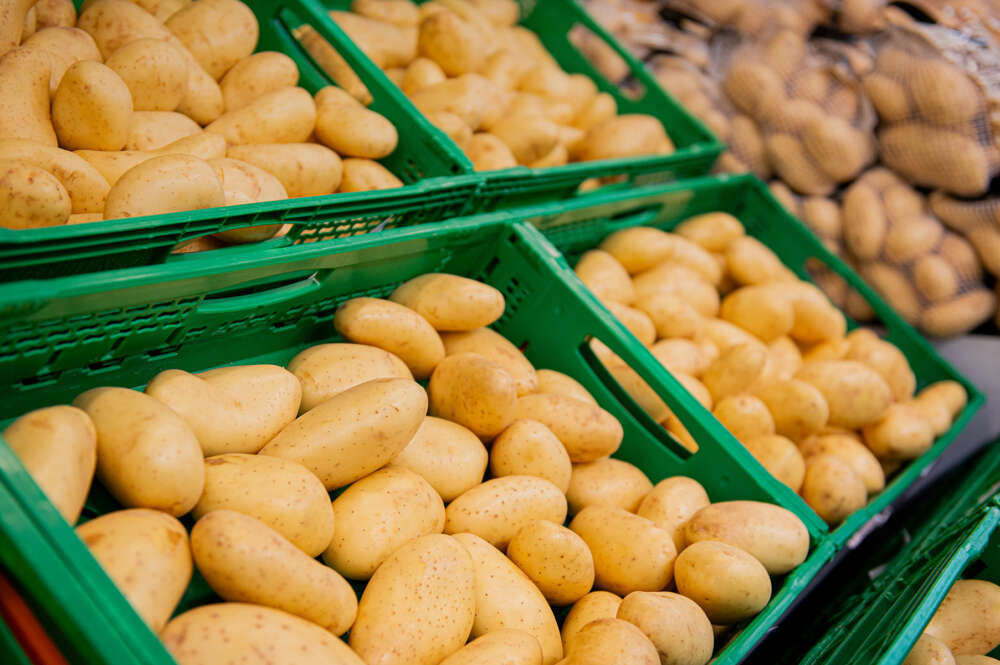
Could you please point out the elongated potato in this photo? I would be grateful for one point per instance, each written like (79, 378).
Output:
(473, 391)
(365, 175)
(113, 165)
(213, 634)
(832, 489)
(750, 261)
(218, 33)
(448, 456)
(798, 408)
(146, 554)
(735, 370)
(64, 46)
(328, 369)
(354, 433)
(495, 347)
(451, 302)
(506, 598)
(394, 328)
(498, 508)
(304, 169)
(31, 197)
(146, 455)
(256, 75)
(759, 310)
(24, 108)
(58, 447)
(929, 650)
(85, 186)
(899, 434)
(350, 129)
(587, 431)
(165, 184)
(529, 448)
(607, 482)
(287, 115)
(551, 381)
(245, 183)
(605, 277)
(488, 153)
(726, 582)
(557, 560)
(152, 130)
(435, 578)
(287, 497)
(465, 97)
(452, 42)
(624, 136)
(155, 72)
(936, 157)
(500, 647)
(855, 393)
(245, 560)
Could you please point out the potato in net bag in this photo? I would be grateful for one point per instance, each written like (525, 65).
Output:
(978, 220)
(931, 88)
(815, 122)
(754, 17)
(640, 27)
(929, 275)
(859, 16)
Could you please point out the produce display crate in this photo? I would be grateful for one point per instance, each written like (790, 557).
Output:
(67, 335)
(581, 225)
(10, 648)
(23, 638)
(953, 534)
(435, 189)
(552, 21)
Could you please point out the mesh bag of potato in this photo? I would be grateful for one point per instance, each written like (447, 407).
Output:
(934, 89)
(640, 28)
(929, 275)
(756, 16)
(859, 16)
(977, 220)
(816, 124)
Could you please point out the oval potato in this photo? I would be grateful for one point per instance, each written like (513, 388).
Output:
(595, 605)
(677, 627)
(287, 115)
(497, 348)
(832, 489)
(529, 448)
(326, 370)
(448, 456)
(497, 509)
(256, 75)
(164, 184)
(92, 108)
(451, 302)
(967, 619)
(304, 169)
(155, 72)
(727, 583)
(31, 197)
(474, 392)
(587, 431)
(557, 560)
(608, 482)
(394, 328)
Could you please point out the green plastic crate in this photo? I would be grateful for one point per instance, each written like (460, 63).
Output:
(435, 189)
(581, 225)
(10, 649)
(552, 21)
(67, 335)
(952, 535)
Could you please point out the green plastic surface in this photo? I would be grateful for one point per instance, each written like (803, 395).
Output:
(10, 649)
(67, 335)
(552, 20)
(952, 535)
(581, 225)
(436, 188)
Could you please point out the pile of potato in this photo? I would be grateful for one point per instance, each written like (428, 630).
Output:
(450, 504)
(828, 413)
(965, 627)
(978, 220)
(123, 112)
(491, 86)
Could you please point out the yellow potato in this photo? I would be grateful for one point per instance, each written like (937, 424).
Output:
(529, 448)
(474, 392)
(712, 231)
(840, 150)
(455, 44)
(943, 93)
(791, 162)
(750, 261)
(595, 605)
(859, 457)
(936, 278)
(448, 456)
(218, 33)
(929, 650)
(326, 370)
(394, 328)
(628, 135)
(64, 46)
(727, 583)
(900, 434)
(597, 111)
(677, 627)
(377, 515)
(605, 277)
(759, 310)
(31, 197)
(555, 559)
(971, 659)
(498, 508)
(422, 73)
(671, 503)
(251, 634)
(587, 431)
(855, 393)
(244, 560)
(500, 647)
(608, 640)
(779, 456)
(949, 393)
(681, 356)
(55, 13)
(147, 456)
(607, 482)
(488, 153)
(256, 75)
(451, 302)
(365, 175)
(465, 97)
(92, 108)
(735, 370)
(832, 489)
(353, 433)
(551, 381)
(507, 598)
(681, 282)
(671, 315)
(630, 552)
(967, 619)
(454, 127)
(287, 115)
(751, 84)
(287, 497)
(495, 347)
(529, 137)
(304, 169)
(885, 359)
(936, 157)
(12, 22)
(961, 314)
(155, 72)
(639, 248)
(637, 322)
(745, 416)
(783, 360)
(798, 408)
(350, 129)
(152, 130)
(146, 554)
(58, 447)
(164, 184)
(245, 183)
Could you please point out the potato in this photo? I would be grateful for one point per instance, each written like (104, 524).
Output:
(529, 137)
(929, 650)
(245, 560)
(113, 165)
(887, 360)
(353, 433)
(899, 434)
(92, 108)
(832, 489)
(555, 559)
(496, 348)
(451, 302)
(31, 197)
(488, 153)
(627, 135)
(850, 450)
(679, 281)
(364, 175)
(792, 164)
(326, 370)
(58, 447)
(507, 598)
(63, 46)
(745, 416)
(151, 130)
(287, 115)
(218, 33)
(936, 278)
(500, 647)
(750, 261)
(147, 457)
(605, 640)
(377, 515)
(465, 97)
(330, 61)
(671, 503)
(304, 169)
(727, 583)
(750, 84)
(600, 109)
(164, 184)
(678, 628)
(498, 508)
(949, 393)
(595, 605)
(422, 73)
(255, 76)
(455, 44)
(605, 277)
(607, 482)
(245, 183)
(970, 659)
(798, 408)
(840, 150)
(587, 431)
(287, 497)
(967, 619)
(394, 328)
(155, 73)
(448, 456)
(610, 532)
(231, 409)
(529, 448)
(454, 127)
(350, 129)
(551, 381)
(855, 393)
(671, 315)
(759, 310)
(712, 231)
(146, 554)
(936, 157)
(779, 456)
(681, 356)
(12, 22)
(943, 94)
(959, 315)
(473, 391)
(54, 13)
(735, 370)
(252, 634)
